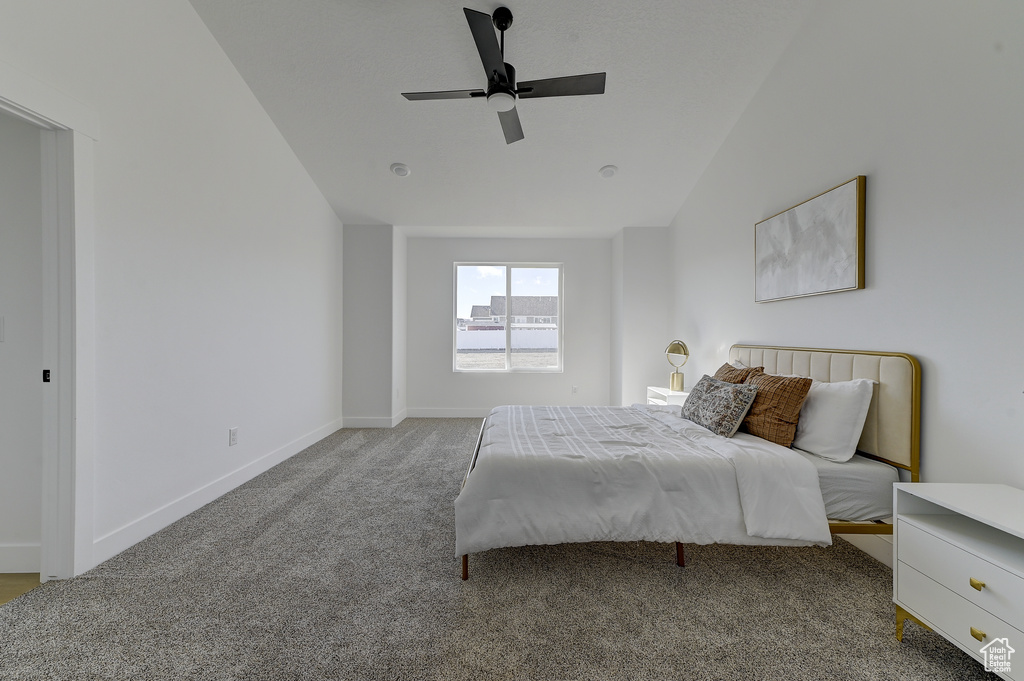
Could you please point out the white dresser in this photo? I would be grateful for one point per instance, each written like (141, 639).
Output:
(959, 568)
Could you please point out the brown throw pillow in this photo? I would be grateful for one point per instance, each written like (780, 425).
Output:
(731, 374)
(776, 409)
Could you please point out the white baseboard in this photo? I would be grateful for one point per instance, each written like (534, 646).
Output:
(448, 413)
(120, 539)
(370, 421)
(373, 421)
(878, 546)
(19, 557)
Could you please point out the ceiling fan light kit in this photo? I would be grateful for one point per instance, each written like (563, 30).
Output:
(501, 92)
(501, 100)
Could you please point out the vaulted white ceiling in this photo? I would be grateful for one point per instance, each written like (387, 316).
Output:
(330, 73)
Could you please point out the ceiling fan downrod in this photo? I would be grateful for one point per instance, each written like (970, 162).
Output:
(502, 19)
(501, 95)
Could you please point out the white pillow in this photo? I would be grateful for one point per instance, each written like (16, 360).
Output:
(832, 418)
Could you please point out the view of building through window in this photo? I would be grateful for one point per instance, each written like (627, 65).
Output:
(507, 317)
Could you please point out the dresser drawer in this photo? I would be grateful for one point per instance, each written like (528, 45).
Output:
(951, 615)
(1002, 593)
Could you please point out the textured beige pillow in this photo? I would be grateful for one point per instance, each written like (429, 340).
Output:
(731, 374)
(776, 409)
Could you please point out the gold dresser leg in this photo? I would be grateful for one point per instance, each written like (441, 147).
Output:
(901, 617)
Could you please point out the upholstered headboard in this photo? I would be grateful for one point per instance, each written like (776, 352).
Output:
(892, 432)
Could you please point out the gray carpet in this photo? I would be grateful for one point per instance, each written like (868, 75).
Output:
(338, 564)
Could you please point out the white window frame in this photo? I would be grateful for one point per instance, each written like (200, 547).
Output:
(509, 266)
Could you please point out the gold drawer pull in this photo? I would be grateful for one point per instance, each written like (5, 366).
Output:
(978, 634)
(977, 584)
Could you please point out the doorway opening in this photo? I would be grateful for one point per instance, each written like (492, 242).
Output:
(21, 347)
(66, 131)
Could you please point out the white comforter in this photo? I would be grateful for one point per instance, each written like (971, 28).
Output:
(549, 475)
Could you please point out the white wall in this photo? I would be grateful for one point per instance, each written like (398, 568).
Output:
(368, 362)
(616, 332)
(641, 323)
(436, 390)
(925, 98)
(215, 295)
(374, 362)
(399, 321)
(21, 354)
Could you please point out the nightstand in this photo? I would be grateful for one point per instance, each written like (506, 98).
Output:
(959, 566)
(657, 395)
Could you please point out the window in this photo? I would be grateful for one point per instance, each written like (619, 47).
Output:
(488, 294)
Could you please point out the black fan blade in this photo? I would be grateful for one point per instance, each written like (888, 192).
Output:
(444, 94)
(486, 43)
(587, 84)
(510, 125)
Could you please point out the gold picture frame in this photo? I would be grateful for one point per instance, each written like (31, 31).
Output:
(813, 248)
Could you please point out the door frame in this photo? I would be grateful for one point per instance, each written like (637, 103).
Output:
(68, 132)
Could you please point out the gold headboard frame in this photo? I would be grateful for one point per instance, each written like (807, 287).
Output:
(892, 430)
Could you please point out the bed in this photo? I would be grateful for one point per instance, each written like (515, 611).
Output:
(549, 475)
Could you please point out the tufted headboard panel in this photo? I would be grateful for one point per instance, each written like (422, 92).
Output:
(892, 432)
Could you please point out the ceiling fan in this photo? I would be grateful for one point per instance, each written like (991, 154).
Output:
(502, 89)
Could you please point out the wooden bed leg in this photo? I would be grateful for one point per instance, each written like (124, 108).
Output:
(680, 558)
(465, 567)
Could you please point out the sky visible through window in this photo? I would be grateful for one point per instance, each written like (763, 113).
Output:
(477, 283)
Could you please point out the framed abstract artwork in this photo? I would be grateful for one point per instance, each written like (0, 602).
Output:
(812, 248)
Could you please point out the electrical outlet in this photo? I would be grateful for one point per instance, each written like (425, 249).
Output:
(232, 437)
(575, 389)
